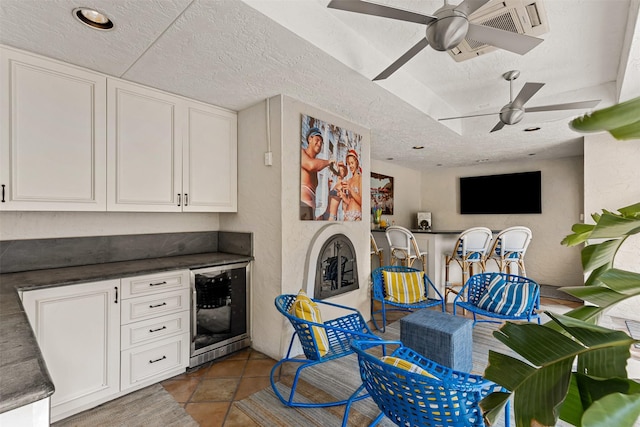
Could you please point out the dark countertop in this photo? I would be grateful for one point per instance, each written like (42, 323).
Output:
(24, 377)
(417, 230)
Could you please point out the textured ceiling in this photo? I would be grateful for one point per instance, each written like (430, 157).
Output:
(236, 53)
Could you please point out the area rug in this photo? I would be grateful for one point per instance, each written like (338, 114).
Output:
(151, 406)
(338, 379)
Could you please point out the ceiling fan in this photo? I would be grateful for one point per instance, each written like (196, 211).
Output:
(514, 111)
(446, 29)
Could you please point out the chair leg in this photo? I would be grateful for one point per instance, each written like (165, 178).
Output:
(352, 399)
(290, 401)
(384, 317)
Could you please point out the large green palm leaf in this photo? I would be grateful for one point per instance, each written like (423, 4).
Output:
(570, 367)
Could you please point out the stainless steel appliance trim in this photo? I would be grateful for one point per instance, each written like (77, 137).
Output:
(231, 344)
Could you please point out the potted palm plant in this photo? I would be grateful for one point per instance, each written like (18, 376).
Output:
(570, 368)
(546, 384)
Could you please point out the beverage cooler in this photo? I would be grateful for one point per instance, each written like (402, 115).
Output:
(219, 312)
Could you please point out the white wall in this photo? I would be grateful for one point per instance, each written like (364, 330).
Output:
(259, 212)
(547, 261)
(612, 181)
(41, 225)
(268, 203)
(406, 192)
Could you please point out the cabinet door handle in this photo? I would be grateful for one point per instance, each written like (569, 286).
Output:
(186, 199)
(158, 283)
(157, 360)
(2, 193)
(156, 330)
(179, 196)
(157, 305)
(116, 288)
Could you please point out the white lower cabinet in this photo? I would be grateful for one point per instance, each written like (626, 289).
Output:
(155, 328)
(155, 361)
(78, 330)
(101, 340)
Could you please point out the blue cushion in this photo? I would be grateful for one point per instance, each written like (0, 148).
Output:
(510, 255)
(506, 298)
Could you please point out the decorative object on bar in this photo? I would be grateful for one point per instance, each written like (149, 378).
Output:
(424, 221)
(403, 289)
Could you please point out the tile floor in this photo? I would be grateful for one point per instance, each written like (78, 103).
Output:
(208, 392)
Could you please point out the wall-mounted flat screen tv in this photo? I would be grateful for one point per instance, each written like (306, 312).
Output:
(514, 193)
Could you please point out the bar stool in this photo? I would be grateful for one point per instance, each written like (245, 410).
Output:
(375, 250)
(509, 248)
(470, 251)
(404, 248)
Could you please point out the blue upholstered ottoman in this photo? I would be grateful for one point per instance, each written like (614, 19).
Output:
(441, 337)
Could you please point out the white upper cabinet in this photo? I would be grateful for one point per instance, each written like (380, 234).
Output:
(210, 159)
(76, 140)
(53, 138)
(167, 153)
(144, 151)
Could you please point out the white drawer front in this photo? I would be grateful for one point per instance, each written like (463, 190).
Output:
(151, 306)
(154, 329)
(155, 283)
(154, 362)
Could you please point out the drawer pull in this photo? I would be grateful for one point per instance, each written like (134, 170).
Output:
(157, 360)
(156, 330)
(157, 305)
(158, 284)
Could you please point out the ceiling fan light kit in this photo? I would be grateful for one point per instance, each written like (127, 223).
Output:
(513, 112)
(450, 26)
(449, 29)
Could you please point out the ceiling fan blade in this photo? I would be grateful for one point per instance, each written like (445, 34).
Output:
(566, 106)
(367, 8)
(402, 60)
(527, 91)
(470, 115)
(507, 40)
(469, 6)
(499, 126)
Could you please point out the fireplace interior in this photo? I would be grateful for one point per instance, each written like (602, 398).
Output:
(336, 268)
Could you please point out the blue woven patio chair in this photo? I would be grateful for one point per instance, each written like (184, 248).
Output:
(414, 391)
(380, 294)
(321, 342)
(499, 296)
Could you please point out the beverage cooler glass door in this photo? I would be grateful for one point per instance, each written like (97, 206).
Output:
(219, 312)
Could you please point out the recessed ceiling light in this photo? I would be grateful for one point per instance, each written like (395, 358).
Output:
(533, 129)
(93, 18)
(418, 147)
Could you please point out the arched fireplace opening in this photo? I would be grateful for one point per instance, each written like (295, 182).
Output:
(336, 268)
